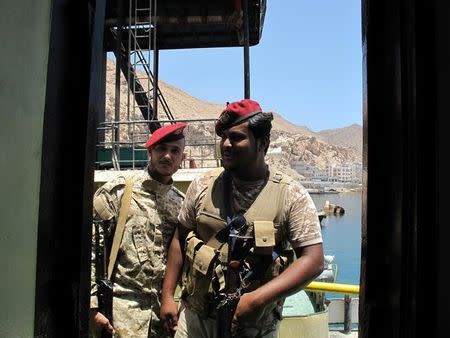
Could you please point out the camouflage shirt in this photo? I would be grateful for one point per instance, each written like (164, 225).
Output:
(141, 259)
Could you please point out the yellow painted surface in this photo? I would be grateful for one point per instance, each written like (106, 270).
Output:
(311, 326)
(182, 177)
(333, 287)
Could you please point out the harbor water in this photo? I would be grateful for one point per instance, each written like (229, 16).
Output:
(341, 239)
(342, 234)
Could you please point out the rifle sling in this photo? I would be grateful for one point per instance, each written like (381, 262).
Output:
(118, 233)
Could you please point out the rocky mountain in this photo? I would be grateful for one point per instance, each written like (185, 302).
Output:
(348, 137)
(288, 141)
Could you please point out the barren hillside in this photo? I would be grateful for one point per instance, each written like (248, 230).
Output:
(350, 137)
(296, 142)
(183, 105)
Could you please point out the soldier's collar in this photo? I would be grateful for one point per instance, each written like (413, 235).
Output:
(151, 184)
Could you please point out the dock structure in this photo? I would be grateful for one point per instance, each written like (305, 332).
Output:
(135, 31)
(182, 178)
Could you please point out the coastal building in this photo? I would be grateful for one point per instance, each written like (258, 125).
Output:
(308, 171)
(347, 172)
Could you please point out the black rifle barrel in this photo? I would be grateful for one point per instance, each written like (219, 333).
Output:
(104, 285)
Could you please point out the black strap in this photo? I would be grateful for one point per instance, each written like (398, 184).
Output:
(258, 270)
(227, 195)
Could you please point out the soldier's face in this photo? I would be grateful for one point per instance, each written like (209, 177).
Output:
(165, 159)
(238, 147)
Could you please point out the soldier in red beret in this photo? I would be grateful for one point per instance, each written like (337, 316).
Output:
(165, 147)
(151, 219)
(247, 220)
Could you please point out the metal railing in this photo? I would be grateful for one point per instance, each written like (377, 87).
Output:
(341, 310)
(128, 151)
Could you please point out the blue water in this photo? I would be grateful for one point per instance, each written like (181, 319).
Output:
(342, 234)
(341, 239)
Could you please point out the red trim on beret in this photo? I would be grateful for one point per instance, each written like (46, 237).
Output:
(237, 112)
(162, 133)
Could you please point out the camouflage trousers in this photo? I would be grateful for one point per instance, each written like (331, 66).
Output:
(190, 325)
(131, 319)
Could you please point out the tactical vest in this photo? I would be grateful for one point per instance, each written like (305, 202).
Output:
(206, 256)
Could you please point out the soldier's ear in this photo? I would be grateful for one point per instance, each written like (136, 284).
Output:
(263, 143)
(183, 157)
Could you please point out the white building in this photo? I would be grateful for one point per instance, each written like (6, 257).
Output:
(348, 172)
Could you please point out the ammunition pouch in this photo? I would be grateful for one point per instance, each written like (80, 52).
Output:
(198, 274)
(204, 275)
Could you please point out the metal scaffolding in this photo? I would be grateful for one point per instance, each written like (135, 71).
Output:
(135, 35)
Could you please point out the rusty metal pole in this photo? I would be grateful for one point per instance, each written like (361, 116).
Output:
(155, 81)
(116, 126)
(155, 64)
(347, 314)
(246, 51)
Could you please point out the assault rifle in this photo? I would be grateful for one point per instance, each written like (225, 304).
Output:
(104, 285)
(236, 274)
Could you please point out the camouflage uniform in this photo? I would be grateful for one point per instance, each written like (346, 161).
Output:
(142, 255)
(301, 228)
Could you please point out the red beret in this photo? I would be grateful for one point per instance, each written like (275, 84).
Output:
(237, 112)
(170, 132)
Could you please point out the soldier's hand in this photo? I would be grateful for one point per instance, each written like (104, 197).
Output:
(100, 322)
(169, 315)
(247, 305)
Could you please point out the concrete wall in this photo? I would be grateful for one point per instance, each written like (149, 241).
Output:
(24, 36)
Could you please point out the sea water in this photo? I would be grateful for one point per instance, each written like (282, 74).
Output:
(342, 234)
(342, 239)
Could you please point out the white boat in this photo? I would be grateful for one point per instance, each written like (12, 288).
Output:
(329, 272)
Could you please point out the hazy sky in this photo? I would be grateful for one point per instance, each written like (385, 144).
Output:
(307, 66)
